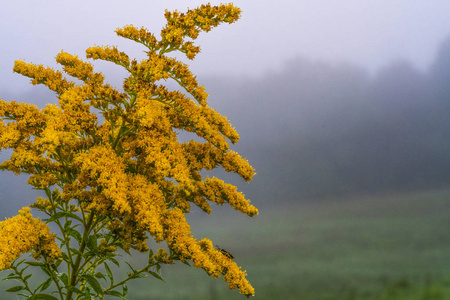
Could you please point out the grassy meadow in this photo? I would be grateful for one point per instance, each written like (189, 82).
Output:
(383, 247)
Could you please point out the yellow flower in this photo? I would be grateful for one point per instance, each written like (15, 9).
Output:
(101, 167)
(117, 156)
(141, 35)
(108, 53)
(23, 234)
(52, 79)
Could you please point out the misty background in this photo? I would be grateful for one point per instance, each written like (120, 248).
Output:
(316, 130)
(333, 101)
(330, 99)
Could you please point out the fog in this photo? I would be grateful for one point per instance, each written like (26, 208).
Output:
(370, 33)
(336, 103)
(317, 130)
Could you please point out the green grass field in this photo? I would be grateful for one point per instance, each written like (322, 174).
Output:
(385, 247)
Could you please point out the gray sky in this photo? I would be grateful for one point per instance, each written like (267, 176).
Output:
(370, 33)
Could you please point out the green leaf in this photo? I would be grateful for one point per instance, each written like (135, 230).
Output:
(48, 193)
(125, 289)
(93, 282)
(74, 216)
(87, 293)
(124, 249)
(67, 225)
(46, 271)
(10, 276)
(35, 263)
(73, 289)
(108, 272)
(90, 253)
(140, 275)
(20, 262)
(42, 297)
(74, 233)
(57, 216)
(114, 261)
(24, 295)
(100, 275)
(116, 294)
(21, 271)
(55, 195)
(56, 264)
(45, 285)
(15, 289)
(186, 263)
(156, 275)
(76, 251)
(131, 267)
(91, 242)
(65, 257)
(150, 257)
(64, 278)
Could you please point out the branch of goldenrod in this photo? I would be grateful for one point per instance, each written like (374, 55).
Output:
(87, 260)
(166, 49)
(74, 275)
(133, 275)
(63, 232)
(177, 80)
(55, 280)
(95, 263)
(27, 287)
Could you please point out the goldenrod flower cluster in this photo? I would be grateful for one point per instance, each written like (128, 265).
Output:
(23, 234)
(116, 155)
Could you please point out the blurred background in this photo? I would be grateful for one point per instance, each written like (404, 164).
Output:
(343, 111)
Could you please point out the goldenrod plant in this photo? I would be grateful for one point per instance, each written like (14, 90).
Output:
(112, 170)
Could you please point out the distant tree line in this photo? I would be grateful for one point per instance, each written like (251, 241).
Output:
(315, 130)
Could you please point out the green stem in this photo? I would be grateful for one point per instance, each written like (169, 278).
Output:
(119, 135)
(65, 236)
(75, 269)
(27, 287)
(113, 286)
(55, 280)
